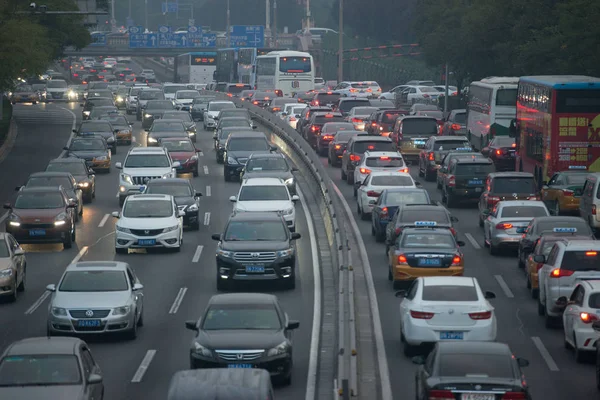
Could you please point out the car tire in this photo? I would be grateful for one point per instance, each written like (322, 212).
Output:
(429, 177)
(68, 243)
(390, 275)
(21, 287)
(350, 178)
(408, 350)
(580, 356)
(291, 283)
(439, 184)
(14, 294)
(354, 191)
(493, 249)
(343, 174)
(132, 333)
(222, 285)
(379, 236)
(195, 172)
(421, 174)
(114, 149)
(87, 198)
(227, 177)
(328, 160)
(140, 321)
(365, 216)
(120, 250)
(556, 209)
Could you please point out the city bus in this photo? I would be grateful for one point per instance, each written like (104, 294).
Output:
(557, 125)
(227, 70)
(198, 67)
(288, 71)
(490, 109)
(246, 64)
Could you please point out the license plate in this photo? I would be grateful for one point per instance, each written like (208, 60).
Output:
(521, 229)
(239, 366)
(435, 262)
(477, 396)
(451, 335)
(146, 242)
(255, 268)
(88, 323)
(37, 232)
(475, 182)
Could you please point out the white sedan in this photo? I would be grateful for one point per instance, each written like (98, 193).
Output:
(292, 118)
(582, 311)
(445, 308)
(374, 184)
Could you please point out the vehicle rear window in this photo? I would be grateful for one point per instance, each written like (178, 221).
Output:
(502, 141)
(385, 162)
(428, 240)
(344, 136)
(474, 169)
(435, 114)
(295, 64)
(469, 364)
(235, 89)
(460, 118)
(514, 185)
(361, 147)
(410, 216)
(508, 97)
(347, 105)
(416, 127)
(360, 86)
(364, 111)
(326, 98)
(450, 293)
(576, 179)
(581, 225)
(336, 127)
(390, 117)
(406, 197)
(451, 145)
(594, 301)
(392, 180)
(322, 119)
(581, 260)
(523, 212)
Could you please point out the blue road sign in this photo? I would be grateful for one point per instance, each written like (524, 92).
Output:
(165, 38)
(98, 39)
(143, 40)
(195, 36)
(169, 7)
(165, 29)
(247, 36)
(136, 29)
(209, 40)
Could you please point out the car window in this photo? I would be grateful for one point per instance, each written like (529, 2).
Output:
(148, 209)
(523, 212)
(439, 216)
(30, 201)
(415, 127)
(48, 181)
(94, 281)
(580, 260)
(376, 145)
(39, 370)
(95, 126)
(247, 144)
(384, 162)
(220, 106)
(460, 118)
(514, 185)
(347, 105)
(392, 180)
(408, 197)
(4, 253)
(263, 193)
(428, 240)
(175, 190)
(451, 144)
(474, 169)
(241, 317)
(256, 230)
(266, 164)
(87, 145)
(87, 361)
(146, 161)
(581, 225)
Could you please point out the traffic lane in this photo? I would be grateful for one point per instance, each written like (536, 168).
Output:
(42, 131)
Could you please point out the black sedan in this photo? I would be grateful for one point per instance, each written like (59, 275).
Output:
(483, 370)
(165, 128)
(337, 147)
(84, 175)
(93, 149)
(244, 330)
(502, 151)
(99, 128)
(186, 198)
(187, 120)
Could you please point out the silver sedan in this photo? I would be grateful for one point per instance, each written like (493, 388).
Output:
(12, 267)
(96, 297)
(508, 221)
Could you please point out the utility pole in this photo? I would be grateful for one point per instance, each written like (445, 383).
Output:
(341, 44)
(113, 21)
(129, 15)
(275, 23)
(268, 18)
(307, 23)
(228, 25)
(446, 74)
(146, 15)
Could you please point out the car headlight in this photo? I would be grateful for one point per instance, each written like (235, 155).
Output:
(148, 115)
(282, 348)
(289, 181)
(121, 229)
(14, 220)
(87, 113)
(59, 311)
(193, 207)
(199, 349)
(167, 176)
(194, 158)
(170, 229)
(61, 219)
(121, 310)
(289, 211)
(232, 161)
(83, 184)
(126, 178)
(224, 253)
(5, 273)
(285, 253)
(191, 133)
(101, 158)
(119, 99)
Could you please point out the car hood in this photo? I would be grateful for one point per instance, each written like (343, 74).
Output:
(94, 300)
(184, 200)
(181, 155)
(5, 263)
(17, 94)
(43, 215)
(269, 174)
(87, 154)
(145, 223)
(169, 96)
(244, 154)
(103, 134)
(212, 114)
(263, 206)
(184, 101)
(255, 245)
(155, 112)
(240, 339)
(50, 392)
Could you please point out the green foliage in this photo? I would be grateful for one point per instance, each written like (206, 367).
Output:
(6, 115)
(64, 30)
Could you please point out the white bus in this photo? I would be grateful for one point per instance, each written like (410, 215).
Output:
(198, 67)
(288, 71)
(491, 107)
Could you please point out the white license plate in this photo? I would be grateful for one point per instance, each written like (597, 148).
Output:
(478, 396)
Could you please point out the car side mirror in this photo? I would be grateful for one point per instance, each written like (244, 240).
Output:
(460, 243)
(293, 325)
(545, 183)
(539, 259)
(176, 164)
(418, 184)
(216, 236)
(296, 236)
(273, 148)
(191, 325)
(295, 198)
(284, 114)
(418, 360)
(522, 362)
(116, 214)
(7, 206)
(254, 126)
(74, 130)
(138, 286)
(72, 205)
(453, 218)
(181, 214)
(294, 169)
(400, 293)
(489, 295)
(51, 288)
(233, 199)
(118, 165)
(19, 252)
(116, 131)
(18, 188)
(198, 194)
(94, 379)
(66, 148)
(444, 169)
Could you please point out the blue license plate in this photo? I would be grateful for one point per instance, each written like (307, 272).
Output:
(522, 229)
(146, 242)
(239, 366)
(451, 335)
(88, 323)
(37, 232)
(255, 268)
(430, 262)
(475, 182)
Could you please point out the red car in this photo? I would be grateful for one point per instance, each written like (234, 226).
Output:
(182, 150)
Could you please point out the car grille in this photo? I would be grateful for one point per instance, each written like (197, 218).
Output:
(81, 314)
(142, 180)
(242, 160)
(239, 355)
(35, 226)
(254, 257)
(57, 95)
(146, 232)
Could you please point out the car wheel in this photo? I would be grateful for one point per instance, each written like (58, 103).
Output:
(373, 233)
(195, 172)
(379, 237)
(328, 160)
(14, 294)
(87, 198)
(421, 174)
(541, 309)
(350, 178)
(140, 321)
(365, 216)
(528, 284)
(343, 174)
(355, 191)
(195, 226)
(68, 243)
(21, 286)
(407, 349)
(493, 249)
(439, 184)
(227, 177)
(221, 284)
(132, 334)
(358, 208)
(291, 283)
(580, 356)
(390, 275)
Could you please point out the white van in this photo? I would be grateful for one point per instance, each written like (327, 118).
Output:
(589, 203)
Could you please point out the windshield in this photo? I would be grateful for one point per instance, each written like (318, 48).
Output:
(427, 89)
(220, 106)
(151, 95)
(99, 102)
(247, 144)
(202, 100)
(451, 145)
(473, 364)
(173, 89)
(178, 146)
(147, 161)
(94, 281)
(344, 136)
(428, 240)
(148, 209)
(39, 200)
(134, 91)
(435, 114)
(39, 370)
(49, 181)
(474, 169)
(57, 85)
(392, 180)
(263, 193)
(3, 250)
(182, 116)
(159, 126)
(159, 105)
(363, 111)
(323, 119)
(266, 231)
(578, 260)
(295, 64)
(87, 145)
(95, 126)
(514, 185)
(74, 168)
(235, 89)
(360, 85)
(266, 164)
(384, 162)
(175, 190)
(362, 146)
(327, 98)
(187, 94)
(409, 217)
(502, 141)
(523, 212)
(347, 105)
(297, 110)
(506, 97)
(228, 123)
(417, 127)
(406, 197)
(331, 127)
(24, 88)
(241, 316)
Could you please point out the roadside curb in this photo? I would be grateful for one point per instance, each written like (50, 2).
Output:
(9, 143)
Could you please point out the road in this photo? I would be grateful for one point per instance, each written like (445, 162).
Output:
(553, 373)
(43, 130)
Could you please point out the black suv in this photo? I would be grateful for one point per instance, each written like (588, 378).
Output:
(239, 147)
(306, 114)
(355, 149)
(345, 104)
(465, 179)
(256, 246)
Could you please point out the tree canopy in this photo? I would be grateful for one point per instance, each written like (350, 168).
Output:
(29, 43)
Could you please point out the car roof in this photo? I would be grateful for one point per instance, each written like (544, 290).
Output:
(221, 102)
(470, 159)
(511, 174)
(322, 113)
(266, 155)
(263, 182)
(380, 153)
(466, 281)
(95, 265)
(41, 189)
(370, 138)
(403, 117)
(441, 231)
(423, 207)
(583, 245)
(233, 118)
(45, 345)
(169, 120)
(167, 181)
(449, 138)
(520, 203)
(50, 173)
(473, 347)
(390, 173)
(243, 298)
(247, 134)
(558, 218)
(257, 216)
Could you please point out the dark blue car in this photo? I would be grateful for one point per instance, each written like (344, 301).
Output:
(387, 204)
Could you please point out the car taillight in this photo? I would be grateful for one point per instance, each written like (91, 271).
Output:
(456, 260)
(481, 315)
(539, 266)
(425, 96)
(255, 103)
(431, 156)
(504, 226)
(292, 119)
(514, 396)
(369, 90)
(567, 192)
(560, 273)
(354, 157)
(534, 198)
(453, 231)
(372, 193)
(327, 137)
(384, 212)
(314, 128)
(402, 259)
(229, 95)
(398, 231)
(365, 171)
(75, 74)
(316, 103)
(276, 109)
(499, 152)
(338, 146)
(356, 120)
(451, 180)
(353, 90)
(405, 170)
(492, 200)
(587, 318)
(593, 209)
(373, 123)
(455, 127)
(440, 395)
(421, 315)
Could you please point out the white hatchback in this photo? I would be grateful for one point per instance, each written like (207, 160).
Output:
(375, 161)
(583, 309)
(374, 184)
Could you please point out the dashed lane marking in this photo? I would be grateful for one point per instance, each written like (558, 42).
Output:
(208, 191)
(103, 221)
(472, 240)
(504, 286)
(545, 354)
(178, 300)
(139, 374)
(205, 169)
(206, 218)
(198, 253)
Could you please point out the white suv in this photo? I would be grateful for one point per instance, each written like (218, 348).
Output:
(266, 195)
(375, 161)
(141, 165)
(148, 221)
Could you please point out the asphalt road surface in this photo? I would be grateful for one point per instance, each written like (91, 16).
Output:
(139, 369)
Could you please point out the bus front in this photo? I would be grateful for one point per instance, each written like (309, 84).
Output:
(295, 74)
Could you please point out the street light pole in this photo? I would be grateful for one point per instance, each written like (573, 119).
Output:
(146, 15)
(228, 25)
(275, 23)
(307, 14)
(341, 44)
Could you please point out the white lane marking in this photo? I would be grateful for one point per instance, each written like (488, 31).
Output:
(104, 219)
(133, 139)
(139, 374)
(73, 127)
(37, 303)
(504, 286)
(472, 240)
(3, 217)
(205, 169)
(311, 383)
(545, 354)
(81, 253)
(178, 300)
(208, 191)
(198, 253)
(206, 218)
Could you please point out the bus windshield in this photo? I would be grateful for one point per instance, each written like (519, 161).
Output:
(295, 64)
(506, 97)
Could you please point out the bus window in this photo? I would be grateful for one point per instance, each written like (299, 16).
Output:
(295, 64)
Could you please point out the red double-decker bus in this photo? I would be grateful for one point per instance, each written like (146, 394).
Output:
(558, 124)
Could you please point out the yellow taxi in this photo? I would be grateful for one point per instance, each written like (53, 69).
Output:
(425, 250)
(410, 134)
(562, 192)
